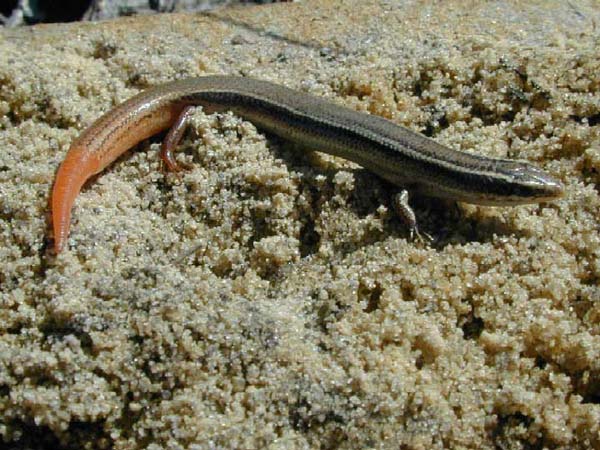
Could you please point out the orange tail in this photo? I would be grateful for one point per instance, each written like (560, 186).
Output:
(72, 174)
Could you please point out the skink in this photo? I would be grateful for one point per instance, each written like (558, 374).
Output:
(395, 153)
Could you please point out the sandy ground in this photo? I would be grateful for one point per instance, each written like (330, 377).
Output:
(271, 298)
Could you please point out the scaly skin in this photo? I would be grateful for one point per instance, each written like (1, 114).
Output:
(395, 153)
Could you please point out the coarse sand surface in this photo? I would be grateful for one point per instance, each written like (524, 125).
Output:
(269, 297)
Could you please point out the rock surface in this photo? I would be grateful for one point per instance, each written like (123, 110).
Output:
(269, 298)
